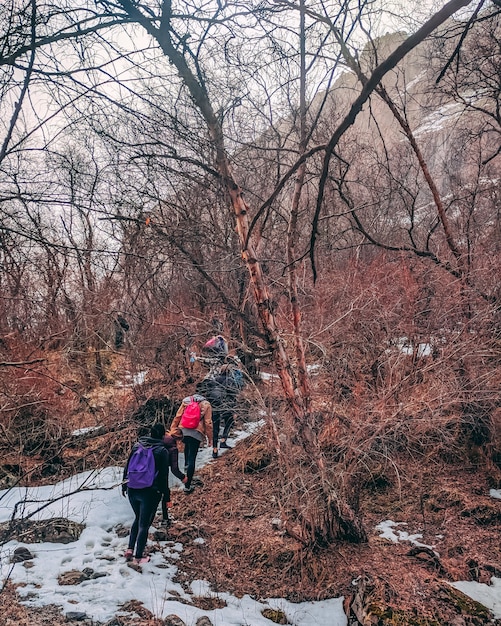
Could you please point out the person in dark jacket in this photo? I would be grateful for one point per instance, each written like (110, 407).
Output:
(170, 444)
(144, 502)
(222, 390)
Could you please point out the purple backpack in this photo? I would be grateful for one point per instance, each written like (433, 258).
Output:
(141, 470)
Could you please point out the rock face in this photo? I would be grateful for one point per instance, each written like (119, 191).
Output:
(438, 115)
(375, 170)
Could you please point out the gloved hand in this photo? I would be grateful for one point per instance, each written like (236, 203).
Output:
(185, 480)
(124, 489)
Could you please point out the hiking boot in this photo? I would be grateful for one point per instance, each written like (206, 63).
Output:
(142, 560)
(188, 489)
(215, 454)
(129, 554)
(223, 444)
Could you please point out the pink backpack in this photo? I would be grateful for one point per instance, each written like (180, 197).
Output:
(191, 415)
(216, 346)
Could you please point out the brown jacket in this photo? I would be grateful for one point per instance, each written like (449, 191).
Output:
(205, 425)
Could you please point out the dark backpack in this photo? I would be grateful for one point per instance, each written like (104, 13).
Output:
(236, 379)
(141, 471)
(191, 415)
(212, 389)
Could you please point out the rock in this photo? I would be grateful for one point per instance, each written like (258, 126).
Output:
(275, 615)
(121, 530)
(173, 620)
(76, 616)
(73, 577)
(203, 621)
(135, 606)
(90, 574)
(160, 535)
(21, 554)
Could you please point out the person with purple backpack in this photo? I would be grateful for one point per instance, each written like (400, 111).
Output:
(145, 481)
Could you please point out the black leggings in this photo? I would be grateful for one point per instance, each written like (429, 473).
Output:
(144, 503)
(228, 420)
(191, 446)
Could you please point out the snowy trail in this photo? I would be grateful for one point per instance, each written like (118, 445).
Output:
(112, 583)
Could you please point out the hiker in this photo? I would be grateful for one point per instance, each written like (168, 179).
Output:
(170, 443)
(145, 482)
(121, 326)
(216, 347)
(222, 390)
(214, 353)
(194, 419)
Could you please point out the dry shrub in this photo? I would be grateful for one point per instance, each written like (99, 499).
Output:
(162, 348)
(99, 450)
(437, 408)
(155, 409)
(33, 423)
(408, 363)
(253, 454)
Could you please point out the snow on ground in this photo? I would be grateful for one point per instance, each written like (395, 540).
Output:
(94, 499)
(489, 596)
(400, 535)
(405, 346)
(267, 377)
(79, 432)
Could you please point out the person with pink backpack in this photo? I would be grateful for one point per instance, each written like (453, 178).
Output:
(194, 420)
